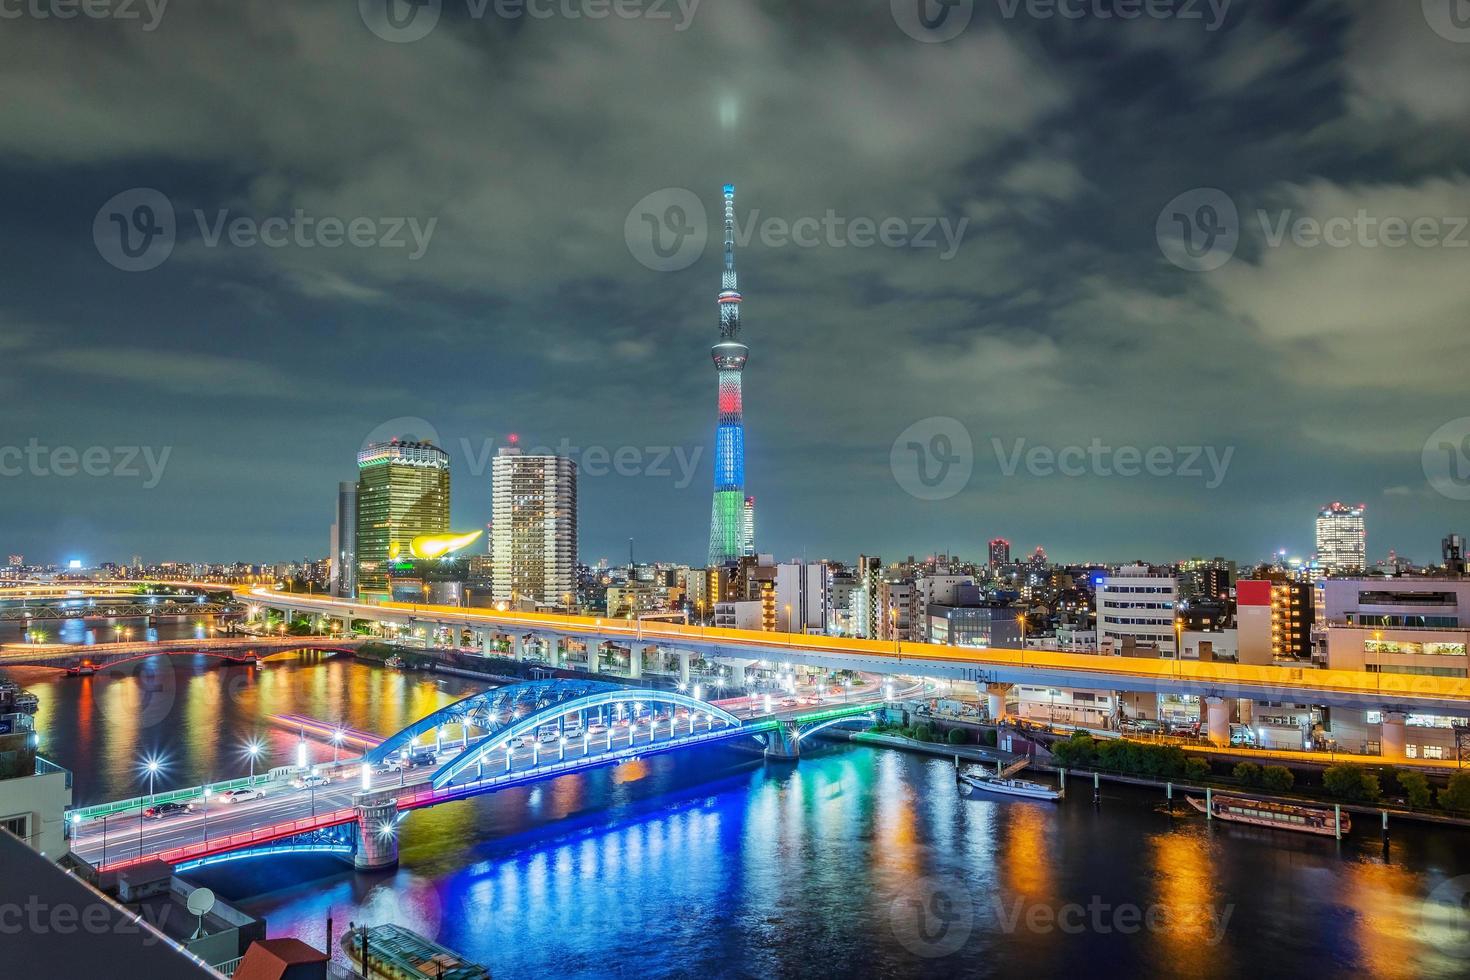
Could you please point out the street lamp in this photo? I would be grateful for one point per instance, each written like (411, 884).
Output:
(253, 749)
(336, 745)
(151, 765)
(207, 793)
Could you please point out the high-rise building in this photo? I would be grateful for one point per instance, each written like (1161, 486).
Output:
(344, 543)
(748, 529)
(1342, 539)
(865, 610)
(1292, 615)
(1453, 549)
(1000, 552)
(727, 540)
(533, 537)
(17, 561)
(402, 494)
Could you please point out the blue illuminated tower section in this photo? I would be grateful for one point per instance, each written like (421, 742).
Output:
(727, 517)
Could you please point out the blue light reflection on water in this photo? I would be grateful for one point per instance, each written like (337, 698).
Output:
(865, 862)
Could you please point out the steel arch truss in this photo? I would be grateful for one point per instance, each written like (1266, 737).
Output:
(804, 733)
(527, 725)
(487, 709)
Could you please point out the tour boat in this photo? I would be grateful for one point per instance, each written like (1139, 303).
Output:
(397, 953)
(1009, 786)
(1287, 816)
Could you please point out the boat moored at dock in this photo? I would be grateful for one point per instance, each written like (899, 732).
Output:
(1322, 821)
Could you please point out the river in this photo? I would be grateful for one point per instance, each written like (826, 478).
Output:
(856, 861)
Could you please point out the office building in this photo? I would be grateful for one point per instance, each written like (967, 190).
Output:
(748, 528)
(533, 537)
(1342, 539)
(402, 494)
(343, 583)
(1000, 552)
(1136, 612)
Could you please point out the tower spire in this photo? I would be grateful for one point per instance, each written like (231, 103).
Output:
(727, 536)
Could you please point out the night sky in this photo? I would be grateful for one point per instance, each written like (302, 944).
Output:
(1066, 312)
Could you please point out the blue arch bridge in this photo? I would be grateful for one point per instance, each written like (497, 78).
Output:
(509, 736)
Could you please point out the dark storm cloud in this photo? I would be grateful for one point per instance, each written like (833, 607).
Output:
(1052, 144)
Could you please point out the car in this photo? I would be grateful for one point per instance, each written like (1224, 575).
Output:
(242, 795)
(789, 702)
(161, 810)
(596, 728)
(519, 742)
(423, 757)
(548, 735)
(573, 732)
(309, 780)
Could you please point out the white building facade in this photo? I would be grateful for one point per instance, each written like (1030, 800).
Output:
(533, 538)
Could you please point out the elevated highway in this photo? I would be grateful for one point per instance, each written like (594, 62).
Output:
(1359, 690)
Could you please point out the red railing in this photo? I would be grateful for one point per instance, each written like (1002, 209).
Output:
(232, 842)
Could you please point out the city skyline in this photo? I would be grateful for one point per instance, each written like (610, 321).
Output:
(1060, 318)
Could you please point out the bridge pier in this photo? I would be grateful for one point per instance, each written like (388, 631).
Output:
(1391, 736)
(635, 661)
(783, 743)
(684, 658)
(995, 697)
(377, 835)
(1219, 720)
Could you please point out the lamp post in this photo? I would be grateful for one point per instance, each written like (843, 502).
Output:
(253, 749)
(336, 745)
(207, 793)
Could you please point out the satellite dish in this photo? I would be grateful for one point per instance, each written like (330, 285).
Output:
(200, 901)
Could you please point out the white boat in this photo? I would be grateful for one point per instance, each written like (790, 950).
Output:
(1009, 786)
